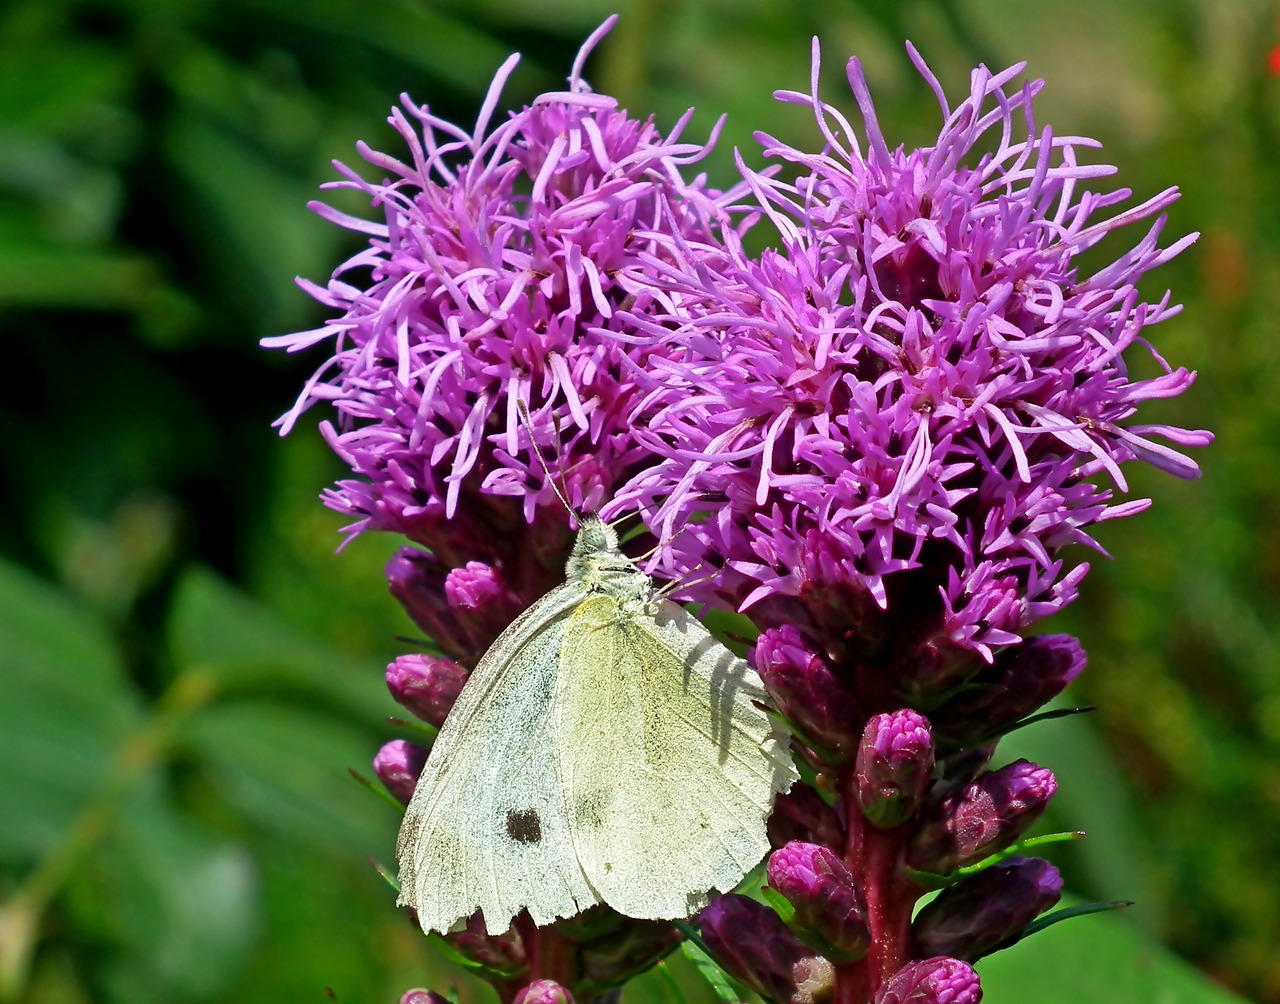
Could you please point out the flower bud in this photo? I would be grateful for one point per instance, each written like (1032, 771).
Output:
(631, 948)
(502, 953)
(422, 997)
(801, 814)
(971, 917)
(543, 992)
(481, 596)
(755, 947)
(1022, 679)
(807, 693)
(894, 767)
(982, 818)
(830, 911)
(426, 685)
(398, 765)
(932, 981)
(417, 580)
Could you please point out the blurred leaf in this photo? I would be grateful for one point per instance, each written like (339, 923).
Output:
(722, 985)
(67, 704)
(224, 632)
(1099, 958)
(285, 767)
(177, 904)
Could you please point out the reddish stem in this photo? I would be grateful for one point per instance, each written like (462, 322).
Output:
(875, 857)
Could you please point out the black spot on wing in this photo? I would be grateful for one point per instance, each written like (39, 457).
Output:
(524, 826)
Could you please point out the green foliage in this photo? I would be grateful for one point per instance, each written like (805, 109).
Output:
(187, 671)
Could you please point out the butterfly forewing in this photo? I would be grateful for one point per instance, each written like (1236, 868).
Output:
(487, 828)
(673, 768)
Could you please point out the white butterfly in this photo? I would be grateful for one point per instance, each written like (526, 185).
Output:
(606, 749)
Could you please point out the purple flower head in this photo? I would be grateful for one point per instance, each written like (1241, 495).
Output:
(903, 405)
(894, 767)
(494, 275)
(501, 953)
(830, 911)
(982, 818)
(397, 765)
(801, 814)
(976, 914)
(932, 981)
(629, 948)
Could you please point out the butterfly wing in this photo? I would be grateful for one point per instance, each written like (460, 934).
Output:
(673, 769)
(486, 827)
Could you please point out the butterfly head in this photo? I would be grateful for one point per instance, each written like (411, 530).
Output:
(597, 561)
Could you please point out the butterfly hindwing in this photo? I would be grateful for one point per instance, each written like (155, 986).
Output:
(486, 828)
(673, 768)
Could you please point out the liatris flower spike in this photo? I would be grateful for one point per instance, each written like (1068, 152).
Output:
(876, 438)
(882, 433)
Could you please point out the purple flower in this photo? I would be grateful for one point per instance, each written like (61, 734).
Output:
(495, 275)
(398, 765)
(902, 406)
(894, 767)
(807, 693)
(543, 992)
(830, 911)
(755, 947)
(426, 685)
(422, 997)
(932, 981)
(982, 818)
(976, 914)
(1022, 679)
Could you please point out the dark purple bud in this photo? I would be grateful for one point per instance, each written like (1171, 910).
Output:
(398, 765)
(971, 917)
(894, 767)
(422, 997)
(801, 814)
(755, 947)
(502, 953)
(982, 818)
(427, 685)
(935, 668)
(808, 693)
(543, 992)
(631, 948)
(478, 593)
(417, 580)
(932, 981)
(1022, 679)
(831, 913)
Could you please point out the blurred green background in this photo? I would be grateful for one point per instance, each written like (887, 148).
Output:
(187, 670)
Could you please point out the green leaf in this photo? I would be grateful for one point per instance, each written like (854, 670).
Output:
(285, 767)
(1101, 958)
(726, 988)
(224, 632)
(67, 705)
(178, 905)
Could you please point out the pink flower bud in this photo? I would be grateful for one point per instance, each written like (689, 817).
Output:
(543, 992)
(426, 685)
(932, 981)
(398, 765)
(970, 918)
(894, 767)
(808, 693)
(755, 947)
(982, 818)
(830, 912)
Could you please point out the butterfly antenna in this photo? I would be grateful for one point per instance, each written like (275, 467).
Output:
(561, 490)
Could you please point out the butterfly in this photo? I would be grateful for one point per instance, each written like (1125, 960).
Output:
(606, 749)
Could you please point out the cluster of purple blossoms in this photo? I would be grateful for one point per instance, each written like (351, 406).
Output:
(874, 438)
